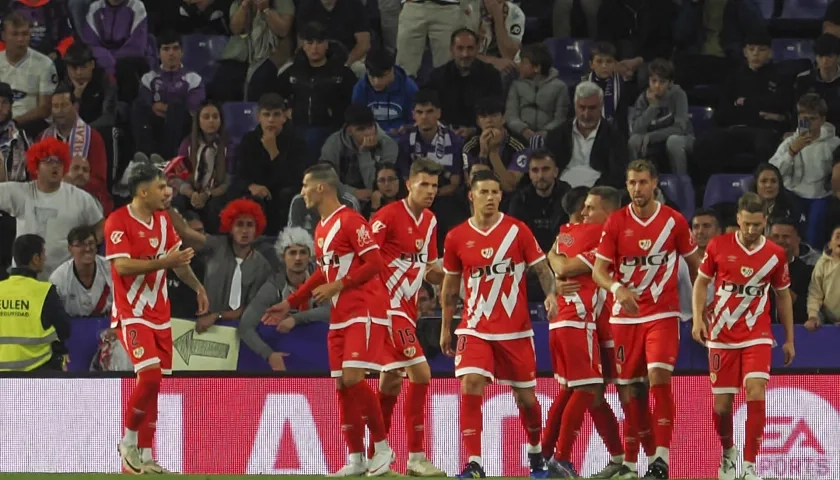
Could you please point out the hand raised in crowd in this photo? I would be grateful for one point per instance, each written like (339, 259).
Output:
(801, 142)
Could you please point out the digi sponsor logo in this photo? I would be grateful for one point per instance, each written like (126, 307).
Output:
(800, 437)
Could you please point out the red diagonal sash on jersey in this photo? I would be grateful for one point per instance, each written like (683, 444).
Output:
(99, 309)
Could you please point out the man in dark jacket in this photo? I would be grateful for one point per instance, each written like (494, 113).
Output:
(95, 90)
(752, 115)
(539, 204)
(463, 80)
(319, 88)
(589, 150)
(270, 162)
(824, 77)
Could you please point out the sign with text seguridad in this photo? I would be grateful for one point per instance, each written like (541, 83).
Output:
(290, 426)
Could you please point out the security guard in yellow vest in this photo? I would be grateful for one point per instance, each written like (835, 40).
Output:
(33, 322)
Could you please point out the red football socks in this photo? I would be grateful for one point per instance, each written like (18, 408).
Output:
(570, 425)
(350, 416)
(663, 414)
(723, 427)
(414, 410)
(471, 423)
(369, 406)
(531, 418)
(145, 390)
(754, 429)
(637, 429)
(607, 427)
(551, 432)
(146, 435)
(387, 403)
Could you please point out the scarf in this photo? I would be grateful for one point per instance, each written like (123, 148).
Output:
(612, 93)
(205, 171)
(79, 138)
(13, 152)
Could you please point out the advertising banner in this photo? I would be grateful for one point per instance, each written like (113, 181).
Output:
(290, 426)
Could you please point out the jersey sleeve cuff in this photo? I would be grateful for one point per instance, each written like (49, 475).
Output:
(783, 287)
(372, 247)
(704, 275)
(585, 261)
(117, 255)
(538, 260)
(598, 255)
(450, 272)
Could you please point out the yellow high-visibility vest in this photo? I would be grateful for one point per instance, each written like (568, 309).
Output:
(24, 344)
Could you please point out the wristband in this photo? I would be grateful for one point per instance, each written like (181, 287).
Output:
(614, 287)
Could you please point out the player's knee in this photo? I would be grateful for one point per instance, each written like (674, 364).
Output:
(591, 389)
(659, 376)
(472, 384)
(723, 404)
(352, 376)
(625, 393)
(420, 373)
(755, 388)
(524, 397)
(390, 383)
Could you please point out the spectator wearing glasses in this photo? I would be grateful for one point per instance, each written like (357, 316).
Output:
(84, 282)
(389, 187)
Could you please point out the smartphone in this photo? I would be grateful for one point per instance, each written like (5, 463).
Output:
(804, 125)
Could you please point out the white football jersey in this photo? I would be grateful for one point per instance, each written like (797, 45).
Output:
(33, 76)
(80, 301)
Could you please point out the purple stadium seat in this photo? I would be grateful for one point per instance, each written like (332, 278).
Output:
(792, 49)
(701, 119)
(569, 55)
(723, 188)
(201, 53)
(678, 189)
(240, 118)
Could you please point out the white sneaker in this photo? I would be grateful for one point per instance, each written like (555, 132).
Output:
(749, 472)
(728, 460)
(352, 469)
(423, 468)
(151, 467)
(381, 462)
(130, 456)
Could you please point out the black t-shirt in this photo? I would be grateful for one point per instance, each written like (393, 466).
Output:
(345, 20)
(182, 301)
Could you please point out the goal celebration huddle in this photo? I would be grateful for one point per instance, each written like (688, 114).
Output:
(611, 295)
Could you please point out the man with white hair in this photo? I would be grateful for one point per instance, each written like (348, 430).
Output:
(294, 248)
(588, 150)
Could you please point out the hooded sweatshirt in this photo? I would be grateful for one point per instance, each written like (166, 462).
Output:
(808, 172)
(115, 32)
(668, 117)
(825, 282)
(357, 168)
(537, 104)
(392, 106)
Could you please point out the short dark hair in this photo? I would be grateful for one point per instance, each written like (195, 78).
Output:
(542, 154)
(323, 172)
(15, 19)
(462, 31)
(65, 88)
(359, 115)
(484, 175)
(80, 234)
(604, 49)
(313, 31)
(425, 165)
(427, 96)
(78, 54)
(786, 221)
(26, 247)
(489, 106)
(168, 37)
(662, 68)
(142, 173)
(758, 36)
(572, 202)
(643, 165)
(708, 212)
(271, 101)
(190, 216)
(539, 56)
(608, 195)
(812, 103)
(378, 62)
(827, 45)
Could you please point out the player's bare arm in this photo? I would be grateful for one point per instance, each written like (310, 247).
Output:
(548, 284)
(693, 261)
(566, 267)
(449, 295)
(623, 295)
(190, 237)
(131, 267)
(434, 274)
(699, 330)
(784, 305)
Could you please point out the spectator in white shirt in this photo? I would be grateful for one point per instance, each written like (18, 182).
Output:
(31, 74)
(84, 282)
(47, 206)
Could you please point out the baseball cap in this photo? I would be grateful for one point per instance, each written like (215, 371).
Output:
(78, 54)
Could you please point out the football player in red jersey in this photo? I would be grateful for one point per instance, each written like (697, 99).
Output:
(637, 262)
(406, 232)
(575, 337)
(141, 244)
(348, 277)
(491, 252)
(743, 266)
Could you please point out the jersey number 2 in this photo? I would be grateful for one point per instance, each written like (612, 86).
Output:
(132, 337)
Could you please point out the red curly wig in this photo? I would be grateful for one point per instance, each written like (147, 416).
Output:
(242, 208)
(46, 148)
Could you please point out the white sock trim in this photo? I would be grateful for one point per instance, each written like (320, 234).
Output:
(476, 459)
(130, 437)
(534, 449)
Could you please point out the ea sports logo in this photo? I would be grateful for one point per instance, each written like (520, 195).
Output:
(800, 437)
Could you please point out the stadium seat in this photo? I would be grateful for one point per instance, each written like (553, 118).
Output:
(792, 49)
(678, 189)
(569, 55)
(724, 188)
(201, 53)
(701, 119)
(240, 118)
(804, 9)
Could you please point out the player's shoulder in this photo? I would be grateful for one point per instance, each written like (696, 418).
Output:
(117, 217)
(774, 247)
(347, 214)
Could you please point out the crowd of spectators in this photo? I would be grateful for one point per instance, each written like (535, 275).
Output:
(96, 86)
